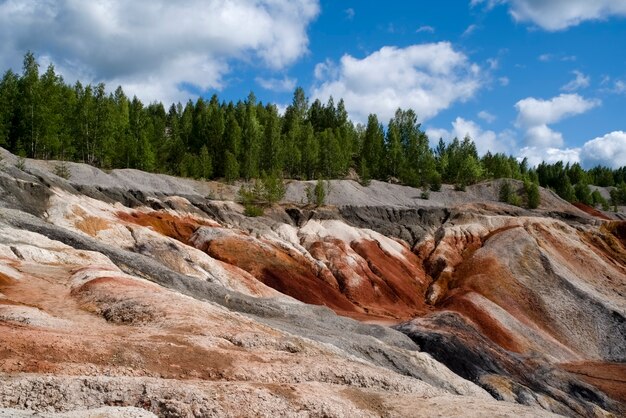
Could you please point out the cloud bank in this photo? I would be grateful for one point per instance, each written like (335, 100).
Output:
(426, 77)
(554, 15)
(154, 47)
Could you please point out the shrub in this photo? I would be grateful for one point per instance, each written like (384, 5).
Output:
(435, 182)
(316, 195)
(425, 195)
(21, 163)
(533, 197)
(505, 192)
(598, 199)
(62, 170)
(273, 188)
(252, 210)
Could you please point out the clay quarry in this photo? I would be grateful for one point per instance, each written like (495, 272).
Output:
(128, 294)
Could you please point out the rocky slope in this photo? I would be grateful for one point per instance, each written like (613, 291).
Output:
(131, 294)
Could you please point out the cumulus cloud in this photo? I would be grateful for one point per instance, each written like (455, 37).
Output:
(485, 140)
(284, 84)
(535, 112)
(427, 78)
(608, 150)
(154, 47)
(581, 81)
(553, 15)
(486, 116)
(542, 143)
(543, 136)
(537, 155)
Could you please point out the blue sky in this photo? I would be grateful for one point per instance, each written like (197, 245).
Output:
(544, 79)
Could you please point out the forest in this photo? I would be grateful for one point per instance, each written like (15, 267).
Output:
(41, 116)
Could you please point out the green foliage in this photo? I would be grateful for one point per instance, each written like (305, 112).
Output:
(62, 170)
(258, 194)
(583, 194)
(205, 164)
(533, 197)
(618, 194)
(273, 188)
(515, 200)
(505, 192)
(425, 194)
(231, 167)
(316, 195)
(598, 199)
(41, 116)
(21, 163)
(435, 181)
(508, 194)
(251, 197)
(364, 173)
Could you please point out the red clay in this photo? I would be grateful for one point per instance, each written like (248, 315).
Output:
(179, 228)
(608, 377)
(591, 211)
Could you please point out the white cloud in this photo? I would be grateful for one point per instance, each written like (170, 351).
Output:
(608, 150)
(284, 84)
(504, 81)
(534, 112)
(470, 29)
(543, 136)
(151, 47)
(558, 57)
(350, 13)
(541, 142)
(485, 140)
(536, 155)
(580, 82)
(425, 28)
(486, 116)
(545, 57)
(427, 78)
(553, 15)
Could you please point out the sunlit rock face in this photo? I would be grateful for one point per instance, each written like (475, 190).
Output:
(131, 294)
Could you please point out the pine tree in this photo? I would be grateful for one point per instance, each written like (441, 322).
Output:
(373, 148)
(272, 149)
(231, 167)
(29, 107)
(9, 99)
(395, 156)
(205, 163)
(251, 133)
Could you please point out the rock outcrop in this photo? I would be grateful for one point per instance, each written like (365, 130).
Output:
(131, 294)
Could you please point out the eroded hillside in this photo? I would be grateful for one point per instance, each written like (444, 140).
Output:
(138, 293)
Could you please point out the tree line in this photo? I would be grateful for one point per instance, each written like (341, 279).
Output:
(41, 116)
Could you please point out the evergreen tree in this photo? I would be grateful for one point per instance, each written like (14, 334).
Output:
(533, 197)
(251, 133)
(205, 164)
(29, 106)
(231, 167)
(272, 148)
(308, 151)
(395, 156)
(373, 148)
(9, 99)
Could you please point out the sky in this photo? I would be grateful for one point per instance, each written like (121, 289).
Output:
(542, 79)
